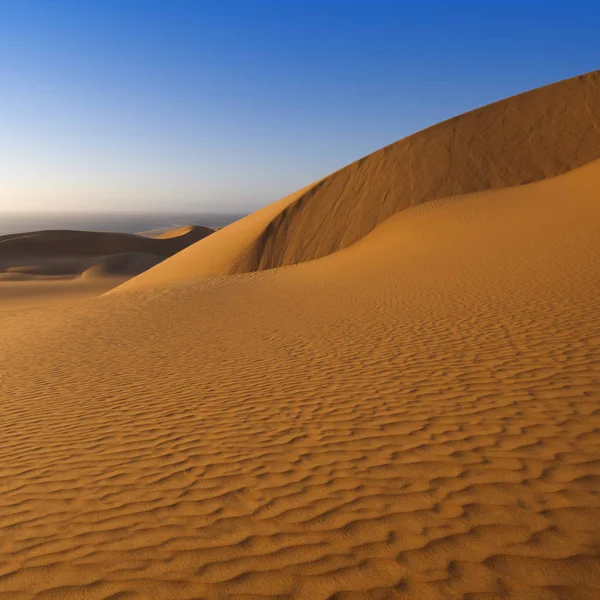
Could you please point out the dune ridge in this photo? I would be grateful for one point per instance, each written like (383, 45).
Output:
(43, 267)
(85, 243)
(538, 134)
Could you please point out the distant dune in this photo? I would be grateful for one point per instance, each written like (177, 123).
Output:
(53, 259)
(166, 233)
(384, 386)
(86, 243)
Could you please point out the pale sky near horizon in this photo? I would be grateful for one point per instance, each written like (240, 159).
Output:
(222, 105)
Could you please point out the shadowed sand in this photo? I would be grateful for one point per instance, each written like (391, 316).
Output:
(43, 267)
(414, 416)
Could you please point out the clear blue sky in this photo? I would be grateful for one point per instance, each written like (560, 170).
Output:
(223, 105)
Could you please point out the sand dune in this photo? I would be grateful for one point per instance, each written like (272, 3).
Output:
(538, 134)
(414, 416)
(166, 233)
(53, 259)
(86, 243)
(221, 253)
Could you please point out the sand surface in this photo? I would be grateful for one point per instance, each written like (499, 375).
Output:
(61, 243)
(415, 416)
(49, 267)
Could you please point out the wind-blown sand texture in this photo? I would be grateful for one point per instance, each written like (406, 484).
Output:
(415, 416)
(43, 267)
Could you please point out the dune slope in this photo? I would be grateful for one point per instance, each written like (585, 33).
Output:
(416, 417)
(538, 134)
(526, 138)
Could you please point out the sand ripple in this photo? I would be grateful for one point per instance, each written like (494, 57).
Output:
(414, 417)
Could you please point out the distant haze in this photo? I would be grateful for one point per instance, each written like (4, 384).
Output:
(122, 222)
(222, 107)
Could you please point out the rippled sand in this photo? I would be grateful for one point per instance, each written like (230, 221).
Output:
(415, 416)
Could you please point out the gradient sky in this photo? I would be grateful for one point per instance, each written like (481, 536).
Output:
(222, 105)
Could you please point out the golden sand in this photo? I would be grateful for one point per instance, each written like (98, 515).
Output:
(413, 416)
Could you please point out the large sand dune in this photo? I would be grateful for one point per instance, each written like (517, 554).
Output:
(415, 416)
(538, 134)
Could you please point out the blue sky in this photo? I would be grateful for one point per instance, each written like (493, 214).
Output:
(223, 105)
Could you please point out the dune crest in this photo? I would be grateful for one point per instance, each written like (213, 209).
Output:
(538, 134)
(166, 233)
(84, 243)
(219, 254)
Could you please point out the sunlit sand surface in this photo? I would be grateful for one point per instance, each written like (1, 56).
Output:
(411, 410)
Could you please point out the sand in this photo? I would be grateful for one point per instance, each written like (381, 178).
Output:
(96, 243)
(46, 267)
(526, 138)
(176, 232)
(414, 416)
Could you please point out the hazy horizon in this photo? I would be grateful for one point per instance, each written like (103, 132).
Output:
(228, 106)
(117, 221)
(115, 212)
